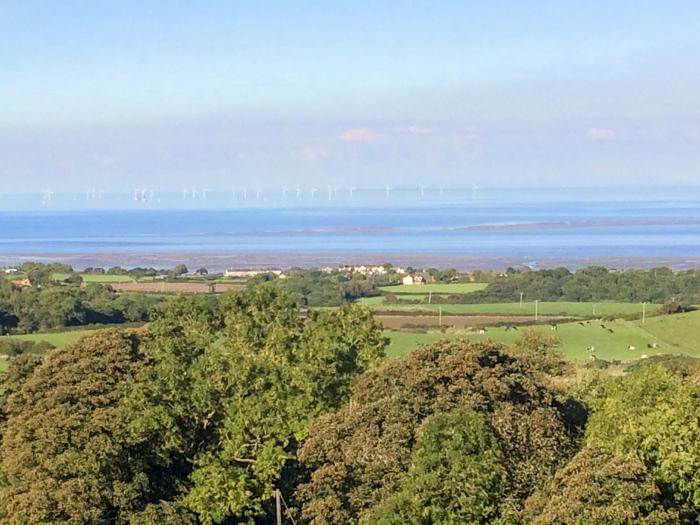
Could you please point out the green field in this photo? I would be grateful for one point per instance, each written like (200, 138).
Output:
(97, 278)
(444, 288)
(677, 334)
(57, 338)
(3, 363)
(527, 309)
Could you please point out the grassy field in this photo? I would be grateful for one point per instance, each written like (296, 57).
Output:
(527, 309)
(445, 288)
(57, 338)
(677, 334)
(97, 278)
(3, 363)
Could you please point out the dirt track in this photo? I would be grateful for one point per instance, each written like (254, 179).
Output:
(164, 287)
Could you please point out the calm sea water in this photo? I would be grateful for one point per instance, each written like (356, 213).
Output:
(528, 231)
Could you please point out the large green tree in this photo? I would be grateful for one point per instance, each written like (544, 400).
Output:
(358, 456)
(654, 414)
(599, 488)
(61, 456)
(456, 477)
(228, 392)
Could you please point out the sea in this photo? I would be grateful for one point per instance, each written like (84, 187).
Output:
(442, 228)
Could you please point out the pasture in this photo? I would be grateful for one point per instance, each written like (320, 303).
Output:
(97, 278)
(613, 340)
(56, 338)
(444, 288)
(602, 309)
(3, 363)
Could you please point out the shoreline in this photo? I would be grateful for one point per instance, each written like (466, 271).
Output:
(221, 261)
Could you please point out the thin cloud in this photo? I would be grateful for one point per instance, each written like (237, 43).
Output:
(600, 134)
(358, 135)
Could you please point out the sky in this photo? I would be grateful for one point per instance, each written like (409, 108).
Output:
(163, 94)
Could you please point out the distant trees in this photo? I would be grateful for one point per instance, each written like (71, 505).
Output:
(594, 283)
(317, 288)
(27, 309)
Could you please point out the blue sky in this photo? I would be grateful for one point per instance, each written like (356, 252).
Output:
(219, 94)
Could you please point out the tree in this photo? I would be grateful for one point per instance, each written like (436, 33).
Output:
(178, 270)
(358, 456)
(599, 488)
(456, 475)
(61, 454)
(654, 414)
(229, 390)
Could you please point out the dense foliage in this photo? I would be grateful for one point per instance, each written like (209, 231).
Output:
(360, 458)
(592, 284)
(318, 288)
(201, 416)
(195, 419)
(47, 304)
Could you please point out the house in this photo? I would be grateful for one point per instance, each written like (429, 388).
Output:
(411, 280)
(9, 271)
(234, 273)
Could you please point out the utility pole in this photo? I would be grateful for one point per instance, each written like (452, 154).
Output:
(644, 313)
(521, 300)
(537, 309)
(440, 316)
(278, 506)
(430, 297)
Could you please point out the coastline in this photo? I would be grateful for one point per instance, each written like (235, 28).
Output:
(221, 261)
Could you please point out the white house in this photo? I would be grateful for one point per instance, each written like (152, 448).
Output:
(233, 273)
(411, 280)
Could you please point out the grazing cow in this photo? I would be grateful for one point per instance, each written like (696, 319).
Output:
(591, 348)
(610, 330)
(553, 327)
(631, 347)
(482, 331)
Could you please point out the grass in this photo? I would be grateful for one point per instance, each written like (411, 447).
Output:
(55, 338)
(3, 363)
(97, 278)
(527, 309)
(445, 288)
(677, 334)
